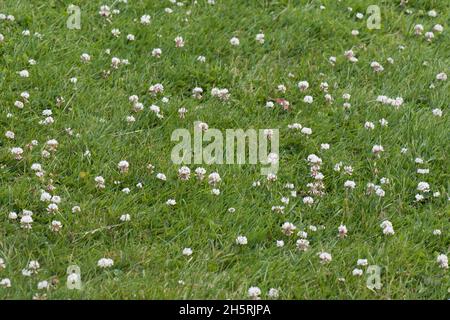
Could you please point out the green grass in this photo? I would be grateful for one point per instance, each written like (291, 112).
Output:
(147, 251)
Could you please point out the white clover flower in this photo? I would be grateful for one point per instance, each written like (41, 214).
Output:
(179, 42)
(418, 29)
(76, 209)
(324, 86)
(125, 217)
(161, 176)
(156, 88)
(85, 57)
(115, 32)
(201, 59)
(184, 173)
(241, 240)
(222, 94)
(171, 202)
(442, 260)
(379, 191)
(12, 215)
(377, 149)
(325, 257)
(423, 171)
(423, 187)
(115, 62)
(200, 173)
(303, 85)
(388, 229)
(369, 125)
(123, 166)
(308, 99)
(24, 74)
(26, 272)
(437, 232)
(34, 266)
(280, 243)
(197, 93)
(295, 126)
(307, 131)
(19, 104)
(273, 293)
(437, 112)
(342, 231)
(45, 196)
(441, 76)
(288, 228)
(17, 152)
(182, 112)
(5, 283)
(362, 262)
(10, 135)
(432, 13)
(357, 272)
(52, 208)
(254, 293)
(383, 122)
(438, 28)
(278, 209)
(73, 278)
(56, 226)
(260, 38)
(429, 36)
(187, 251)
(270, 105)
(145, 19)
(105, 263)
(214, 178)
(157, 52)
(377, 67)
(349, 184)
(100, 182)
(155, 109)
(105, 11)
(302, 244)
(52, 144)
(308, 200)
(234, 41)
